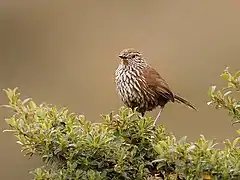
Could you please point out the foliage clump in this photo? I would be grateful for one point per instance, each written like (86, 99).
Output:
(225, 97)
(123, 146)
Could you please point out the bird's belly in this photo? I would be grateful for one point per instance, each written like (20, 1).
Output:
(130, 96)
(135, 97)
(134, 92)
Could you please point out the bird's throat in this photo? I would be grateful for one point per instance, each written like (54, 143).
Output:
(124, 62)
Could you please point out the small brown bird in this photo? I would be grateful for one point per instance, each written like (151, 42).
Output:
(140, 86)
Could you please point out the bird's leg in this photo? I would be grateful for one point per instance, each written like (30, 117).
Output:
(159, 113)
(142, 115)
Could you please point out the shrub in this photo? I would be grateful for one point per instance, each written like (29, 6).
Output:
(123, 146)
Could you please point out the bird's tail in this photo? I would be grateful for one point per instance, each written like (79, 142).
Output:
(179, 99)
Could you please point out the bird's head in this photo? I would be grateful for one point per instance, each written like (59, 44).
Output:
(131, 56)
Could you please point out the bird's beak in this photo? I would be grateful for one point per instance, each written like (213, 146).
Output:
(124, 61)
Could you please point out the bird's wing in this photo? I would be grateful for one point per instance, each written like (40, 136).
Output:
(157, 83)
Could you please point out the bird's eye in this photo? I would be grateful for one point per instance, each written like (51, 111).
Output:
(133, 56)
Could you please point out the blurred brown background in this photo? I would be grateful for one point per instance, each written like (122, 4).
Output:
(65, 53)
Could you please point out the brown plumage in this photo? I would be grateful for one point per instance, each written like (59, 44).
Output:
(140, 86)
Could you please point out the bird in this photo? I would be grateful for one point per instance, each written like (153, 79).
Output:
(141, 87)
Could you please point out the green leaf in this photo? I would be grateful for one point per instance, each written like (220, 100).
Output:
(182, 140)
(158, 148)
(237, 75)
(26, 100)
(212, 90)
(227, 93)
(32, 104)
(236, 142)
